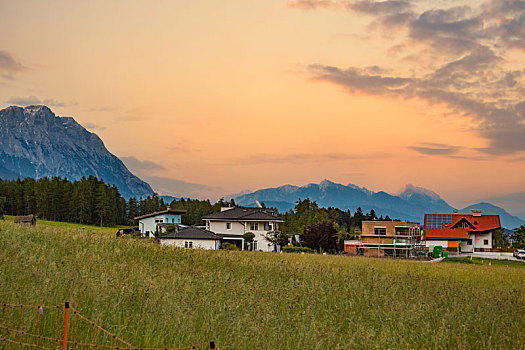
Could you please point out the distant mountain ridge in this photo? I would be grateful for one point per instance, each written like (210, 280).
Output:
(410, 204)
(34, 142)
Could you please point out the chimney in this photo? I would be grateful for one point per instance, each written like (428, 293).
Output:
(476, 212)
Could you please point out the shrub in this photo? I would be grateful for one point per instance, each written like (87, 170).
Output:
(292, 249)
(229, 246)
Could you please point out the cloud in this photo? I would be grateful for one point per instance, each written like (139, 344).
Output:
(295, 158)
(24, 101)
(93, 126)
(164, 185)
(9, 63)
(33, 100)
(311, 4)
(462, 62)
(435, 149)
(174, 187)
(140, 166)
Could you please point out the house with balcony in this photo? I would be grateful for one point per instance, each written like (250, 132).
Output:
(231, 223)
(472, 231)
(153, 222)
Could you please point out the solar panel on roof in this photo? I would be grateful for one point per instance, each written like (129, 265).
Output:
(436, 221)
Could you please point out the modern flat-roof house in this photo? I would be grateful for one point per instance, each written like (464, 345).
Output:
(448, 230)
(149, 223)
(232, 223)
(391, 238)
(191, 237)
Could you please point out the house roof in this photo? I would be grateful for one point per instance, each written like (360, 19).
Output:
(191, 232)
(445, 225)
(167, 211)
(243, 213)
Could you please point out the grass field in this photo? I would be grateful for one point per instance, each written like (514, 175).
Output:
(485, 261)
(157, 296)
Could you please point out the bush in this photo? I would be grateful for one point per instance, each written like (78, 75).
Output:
(292, 249)
(229, 246)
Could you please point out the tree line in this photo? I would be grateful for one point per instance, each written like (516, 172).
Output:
(90, 201)
(87, 201)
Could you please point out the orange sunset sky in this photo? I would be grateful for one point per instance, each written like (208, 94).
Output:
(209, 98)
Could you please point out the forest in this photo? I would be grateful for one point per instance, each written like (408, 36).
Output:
(90, 201)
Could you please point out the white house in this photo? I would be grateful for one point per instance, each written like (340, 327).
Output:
(232, 223)
(149, 223)
(191, 237)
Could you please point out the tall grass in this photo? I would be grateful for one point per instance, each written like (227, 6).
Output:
(159, 296)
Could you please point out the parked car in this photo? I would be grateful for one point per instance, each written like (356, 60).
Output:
(519, 254)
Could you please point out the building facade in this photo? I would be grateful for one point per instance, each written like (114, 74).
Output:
(391, 238)
(232, 223)
(192, 238)
(150, 223)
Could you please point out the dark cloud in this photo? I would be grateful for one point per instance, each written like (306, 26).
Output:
(140, 166)
(462, 85)
(8, 62)
(472, 78)
(355, 79)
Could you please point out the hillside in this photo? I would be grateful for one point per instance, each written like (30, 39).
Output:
(410, 204)
(36, 143)
(156, 296)
(508, 221)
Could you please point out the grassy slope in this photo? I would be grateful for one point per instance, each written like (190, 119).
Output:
(156, 296)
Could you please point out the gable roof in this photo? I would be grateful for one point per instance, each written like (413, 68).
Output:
(244, 213)
(191, 232)
(167, 211)
(480, 224)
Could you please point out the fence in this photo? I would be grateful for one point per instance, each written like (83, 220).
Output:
(61, 327)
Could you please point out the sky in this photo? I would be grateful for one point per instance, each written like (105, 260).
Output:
(209, 98)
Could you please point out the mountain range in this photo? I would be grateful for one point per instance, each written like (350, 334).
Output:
(411, 204)
(34, 142)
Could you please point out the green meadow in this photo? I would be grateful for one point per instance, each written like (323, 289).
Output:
(155, 296)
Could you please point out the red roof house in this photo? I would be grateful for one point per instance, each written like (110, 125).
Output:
(448, 229)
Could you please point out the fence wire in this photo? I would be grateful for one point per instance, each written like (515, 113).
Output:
(55, 327)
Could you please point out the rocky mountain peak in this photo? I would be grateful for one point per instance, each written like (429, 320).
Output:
(34, 142)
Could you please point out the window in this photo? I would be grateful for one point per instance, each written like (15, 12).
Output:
(486, 242)
(254, 245)
(380, 230)
(172, 220)
(270, 226)
(188, 244)
(254, 226)
(159, 221)
(228, 225)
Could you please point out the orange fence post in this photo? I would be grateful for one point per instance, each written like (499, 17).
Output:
(66, 312)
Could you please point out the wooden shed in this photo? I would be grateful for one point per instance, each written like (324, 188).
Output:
(25, 220)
